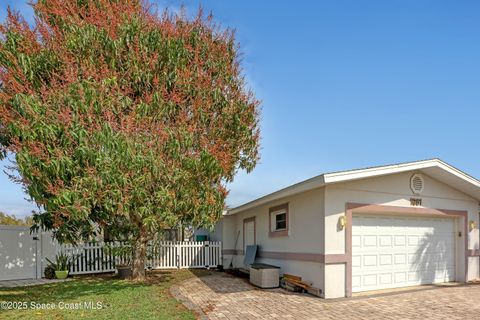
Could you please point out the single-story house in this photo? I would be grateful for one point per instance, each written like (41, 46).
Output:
(367, 229)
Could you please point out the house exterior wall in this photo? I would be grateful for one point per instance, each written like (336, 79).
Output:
(297, 253)
(213, 235)
(316, 245)
(394, 190)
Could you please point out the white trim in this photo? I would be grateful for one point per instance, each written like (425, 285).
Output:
(471, 186)
(274, 215)
(397, 168)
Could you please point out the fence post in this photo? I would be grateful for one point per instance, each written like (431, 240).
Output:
(220, 253)
(177, 252)
(206, 244)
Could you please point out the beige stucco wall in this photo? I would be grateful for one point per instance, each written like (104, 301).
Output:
(313, 225)
(229, 234)
(305, 234)
(393, 190)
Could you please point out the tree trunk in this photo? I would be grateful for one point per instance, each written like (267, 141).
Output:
(140, 252)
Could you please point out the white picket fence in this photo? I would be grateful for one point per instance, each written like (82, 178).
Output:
(97, 257)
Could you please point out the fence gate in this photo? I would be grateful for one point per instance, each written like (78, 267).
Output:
(184, 254)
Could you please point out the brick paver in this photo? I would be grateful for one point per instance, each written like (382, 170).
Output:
(222, 296)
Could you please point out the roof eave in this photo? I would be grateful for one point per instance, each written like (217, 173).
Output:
(351, 175)
(379, 171)
(310, 184)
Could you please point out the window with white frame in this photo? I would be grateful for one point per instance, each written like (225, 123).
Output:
(279, 220)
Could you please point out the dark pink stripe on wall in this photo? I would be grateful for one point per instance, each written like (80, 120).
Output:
(474, 253)
(296, 256)
(312, 257)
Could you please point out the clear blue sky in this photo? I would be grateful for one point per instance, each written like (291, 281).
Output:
(348, 84)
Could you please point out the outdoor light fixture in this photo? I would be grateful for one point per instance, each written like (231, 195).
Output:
(472, 225)
(342, 221)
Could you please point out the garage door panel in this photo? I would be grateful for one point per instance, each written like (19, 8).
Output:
(385, 241)
(431, 259)
(400, 259)
(399, 251)
(370, 280)
(399, 241)
(370, 241)
(385, 279)
(413, 241)
(386, 259)
(400, 277)
(370, 260)
(415, 276)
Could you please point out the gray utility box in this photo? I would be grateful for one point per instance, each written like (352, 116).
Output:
(264, 275)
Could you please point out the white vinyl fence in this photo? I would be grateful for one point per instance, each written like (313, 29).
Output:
(97, 257)
(22, 253)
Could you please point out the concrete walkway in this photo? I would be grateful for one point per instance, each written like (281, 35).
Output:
(28, 282)
(222, 296)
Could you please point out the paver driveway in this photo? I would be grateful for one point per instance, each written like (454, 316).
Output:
(222, 296)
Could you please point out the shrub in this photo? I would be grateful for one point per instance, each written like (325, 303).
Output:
(62, 262)
(49, 272)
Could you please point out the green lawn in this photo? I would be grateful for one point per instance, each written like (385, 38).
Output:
(119, 299)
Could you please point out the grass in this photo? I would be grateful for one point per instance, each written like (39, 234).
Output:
(119, 299)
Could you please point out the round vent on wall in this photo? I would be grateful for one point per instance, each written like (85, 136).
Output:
(417, 183)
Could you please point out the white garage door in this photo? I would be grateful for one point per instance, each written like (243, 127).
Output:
(389, 252)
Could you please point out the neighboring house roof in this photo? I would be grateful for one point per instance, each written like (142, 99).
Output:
(434, 168)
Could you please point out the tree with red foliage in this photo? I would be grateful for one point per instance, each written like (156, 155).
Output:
(122, 118)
